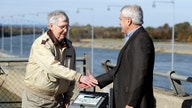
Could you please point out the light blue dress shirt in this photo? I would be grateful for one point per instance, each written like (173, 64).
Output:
(127, 36)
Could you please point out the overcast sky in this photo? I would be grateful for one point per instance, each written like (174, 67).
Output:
(95, 11)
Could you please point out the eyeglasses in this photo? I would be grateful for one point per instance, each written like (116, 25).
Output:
(68, 27)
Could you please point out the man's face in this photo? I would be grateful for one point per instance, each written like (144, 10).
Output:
(124, 23)
(60, 29)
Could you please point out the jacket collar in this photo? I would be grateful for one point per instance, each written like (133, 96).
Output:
(64, 43)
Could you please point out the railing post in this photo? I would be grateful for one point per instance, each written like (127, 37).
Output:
(2, 71)
(176, 85)
(86, 66)
(86, 63)
(105, 66)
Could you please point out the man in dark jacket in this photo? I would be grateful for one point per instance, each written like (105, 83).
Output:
(132, 77)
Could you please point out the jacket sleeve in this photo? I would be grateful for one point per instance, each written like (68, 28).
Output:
(106, 78)
(43, 56)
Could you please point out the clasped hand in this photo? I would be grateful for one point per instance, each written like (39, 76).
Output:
(87, 81)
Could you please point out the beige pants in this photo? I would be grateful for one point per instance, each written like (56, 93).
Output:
(30, 100)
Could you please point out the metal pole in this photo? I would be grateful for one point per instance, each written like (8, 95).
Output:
(11, 36)
(2, 39)
(173, 31)
(92, 37)
(173, 36)
(21, 40)
(92, 41)
(33, 31)
(109, 6)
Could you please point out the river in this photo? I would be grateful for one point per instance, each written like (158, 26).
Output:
(182, 62)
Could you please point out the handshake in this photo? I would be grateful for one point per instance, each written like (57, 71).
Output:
(87, 81)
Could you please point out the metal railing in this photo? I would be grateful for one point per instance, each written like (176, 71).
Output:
(174, 78)
(85, 59)
(12, 76)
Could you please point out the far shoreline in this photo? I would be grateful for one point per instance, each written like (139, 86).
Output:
(117, 44)
(164, 47)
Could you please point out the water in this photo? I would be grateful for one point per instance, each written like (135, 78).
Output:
(182, 64)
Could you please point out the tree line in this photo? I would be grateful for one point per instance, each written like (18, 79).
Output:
(14, 30)
(183, 32)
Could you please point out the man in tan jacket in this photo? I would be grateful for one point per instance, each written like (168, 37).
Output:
(50, 74)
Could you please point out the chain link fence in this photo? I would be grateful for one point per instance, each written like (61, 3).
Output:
(12, 73)
(11, 85)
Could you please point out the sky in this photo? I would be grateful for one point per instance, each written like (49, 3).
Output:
(95, 12)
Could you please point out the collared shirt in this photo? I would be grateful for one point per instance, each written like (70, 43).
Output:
(127, 36)
(61, 44)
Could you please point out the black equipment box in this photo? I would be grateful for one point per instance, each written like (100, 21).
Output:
(88, 99)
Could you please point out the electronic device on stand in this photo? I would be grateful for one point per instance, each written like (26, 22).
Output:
(88, 99)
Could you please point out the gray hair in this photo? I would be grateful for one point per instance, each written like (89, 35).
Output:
(55, 15)
(134, 12)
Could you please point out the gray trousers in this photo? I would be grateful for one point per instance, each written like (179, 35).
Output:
(30, 100)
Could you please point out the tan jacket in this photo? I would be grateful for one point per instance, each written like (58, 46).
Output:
(49, 72)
